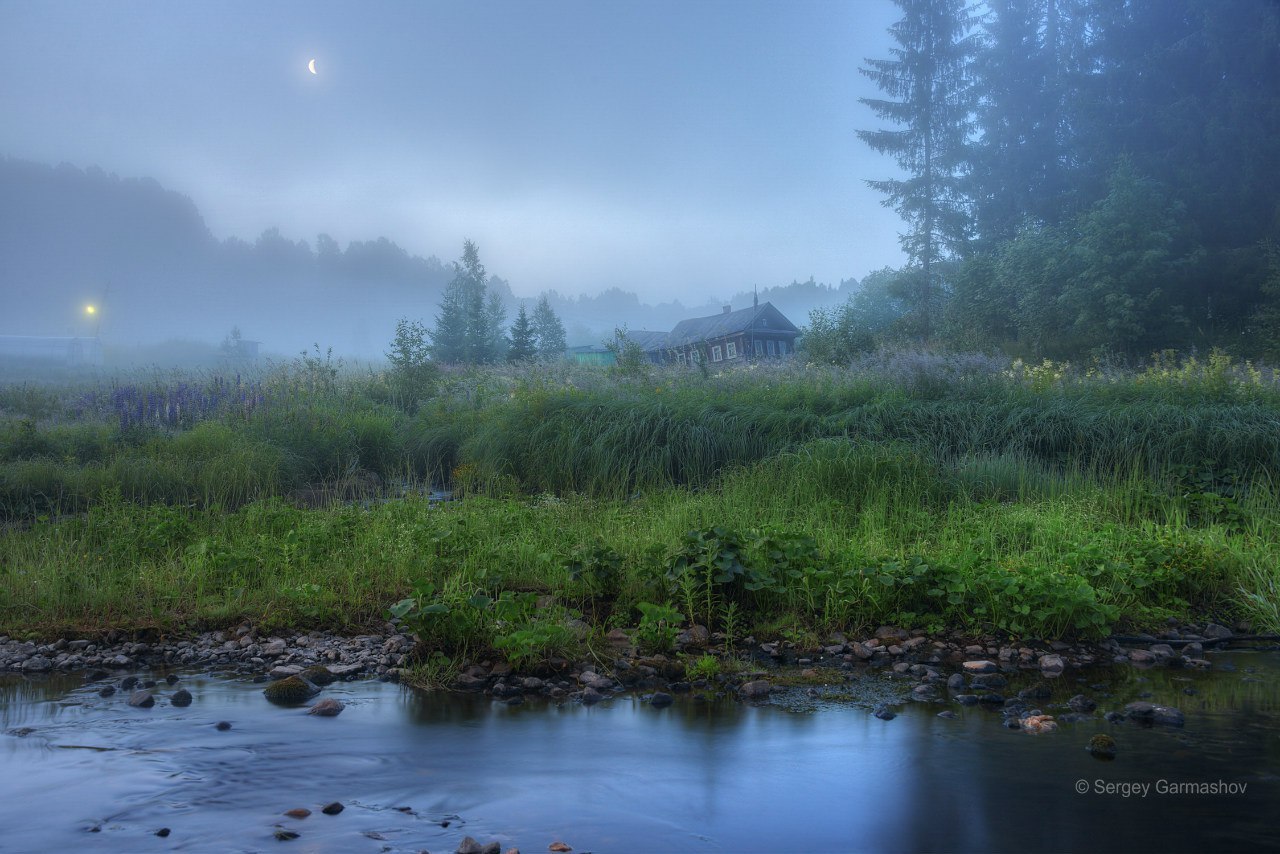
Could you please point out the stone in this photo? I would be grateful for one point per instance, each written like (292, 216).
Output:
(861, 651)
(947, 714)
(1155, 714)
(755, 689)
(989, 680)
(290, 690)
(284, 671)
(298, 812)
(981, 666)
(1037, 691)
(559, 847)
(143, 699)
(590, 696)
(222, 726)
(1213, 631)
(884, 713)
(468, 845)
(332, 809)
(1037, 724)
(493, 847)
(285, 835)
(37, 664)
(468, 682)
(163, 832)
(1051, 664)
(967, 699)
(1103, 746)
(955, 682)
(128, 682)
(327, 708)
(1081, 703)
(181, 698)
(661, 699)
(107, 691)
(1142, 656)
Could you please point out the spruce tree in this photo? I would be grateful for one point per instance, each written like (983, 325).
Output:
(549, 331)
(523, 346)
(933, 108)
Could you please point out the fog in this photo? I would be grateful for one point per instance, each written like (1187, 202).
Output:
(178, 166)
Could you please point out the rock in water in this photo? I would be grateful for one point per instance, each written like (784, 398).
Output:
(332, 809)
(222, 726)
(754, 690)
(1036, 724)
(1103, 746)
(327, 708)
(181, 698)
(468, 845)
(294, 689)
(318, 675)
(558, 846)
(142, 699)
(285, 835)
(299, 812)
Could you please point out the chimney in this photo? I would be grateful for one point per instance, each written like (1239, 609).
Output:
(728, 308)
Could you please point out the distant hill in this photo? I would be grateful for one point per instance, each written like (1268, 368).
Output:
(146, 258)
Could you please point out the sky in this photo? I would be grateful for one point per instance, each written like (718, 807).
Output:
(679, 150)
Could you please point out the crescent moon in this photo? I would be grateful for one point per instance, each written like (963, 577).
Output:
(311, 66)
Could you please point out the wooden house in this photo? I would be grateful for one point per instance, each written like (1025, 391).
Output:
(760, 332)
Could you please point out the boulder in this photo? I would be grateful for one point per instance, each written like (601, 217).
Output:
(293, 689)
(1051, 664)
(755, 689)
(327, 708)
(181, 698)
(143, 699)
(979, 667)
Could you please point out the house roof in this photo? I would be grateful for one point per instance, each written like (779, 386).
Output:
(647, 340)
(698, 329)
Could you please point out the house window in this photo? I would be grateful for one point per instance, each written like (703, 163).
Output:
(772, 350)
(731, 350)
(759, 348)
(782, 348)
(715, 354)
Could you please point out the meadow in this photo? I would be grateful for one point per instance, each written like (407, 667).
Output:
(935, 491)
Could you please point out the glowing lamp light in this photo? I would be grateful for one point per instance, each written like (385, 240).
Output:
(90, 309)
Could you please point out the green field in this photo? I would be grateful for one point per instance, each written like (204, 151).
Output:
(933, 491)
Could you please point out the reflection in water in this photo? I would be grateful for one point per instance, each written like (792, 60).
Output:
(622, 776)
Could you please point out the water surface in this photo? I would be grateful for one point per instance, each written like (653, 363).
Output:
(95, 774)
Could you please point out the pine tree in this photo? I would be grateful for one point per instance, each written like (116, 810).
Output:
(934, 109)
(549, 331)
(523, 347)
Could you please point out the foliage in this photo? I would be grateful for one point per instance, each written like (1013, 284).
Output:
(413, 375)
(658, 627)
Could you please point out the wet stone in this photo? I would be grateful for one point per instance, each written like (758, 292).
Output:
(181, 698)
(332, 809)
(143, 699)
(979, 667)
(327, 708)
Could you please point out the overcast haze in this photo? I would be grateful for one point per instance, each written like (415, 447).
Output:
(676, 149)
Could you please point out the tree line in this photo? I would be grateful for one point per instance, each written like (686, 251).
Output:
(471, 326)
(1080, 177)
